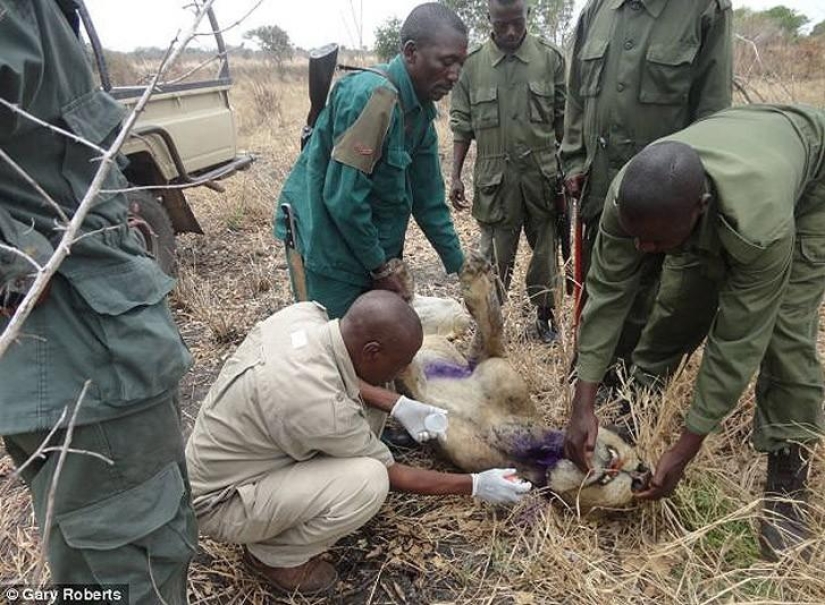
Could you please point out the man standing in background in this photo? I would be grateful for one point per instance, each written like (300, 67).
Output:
(372, 163)
(510, 99)
(639, 70)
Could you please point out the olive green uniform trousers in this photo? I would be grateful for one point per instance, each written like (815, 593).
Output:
(130, 519)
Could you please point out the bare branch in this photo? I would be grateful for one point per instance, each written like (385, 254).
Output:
(236, 23)
(70, 135)
(197, 68)
(27, 305)
(34, 184)
(72, 450)
(47, 522)
(23, 255)
(43, 445)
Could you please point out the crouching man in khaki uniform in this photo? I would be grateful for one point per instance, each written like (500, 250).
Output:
(285, 456)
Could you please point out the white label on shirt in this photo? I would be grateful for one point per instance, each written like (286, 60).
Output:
(299, 339)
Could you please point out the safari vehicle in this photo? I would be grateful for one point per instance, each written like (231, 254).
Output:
(185, 137)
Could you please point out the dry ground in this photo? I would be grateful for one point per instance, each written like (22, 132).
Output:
(697, 547)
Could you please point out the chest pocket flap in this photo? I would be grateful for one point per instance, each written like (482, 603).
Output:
(668, 73)
(484, 107)
(592, 56)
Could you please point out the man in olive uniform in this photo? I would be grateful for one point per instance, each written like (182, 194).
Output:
(285, 456)
(510, 99)
(639, 70)
(742, 226)
(372, 162)
(104, 319)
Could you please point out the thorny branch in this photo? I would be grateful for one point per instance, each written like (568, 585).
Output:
(63, 249)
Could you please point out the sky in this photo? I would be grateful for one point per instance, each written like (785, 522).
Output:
(125, 24)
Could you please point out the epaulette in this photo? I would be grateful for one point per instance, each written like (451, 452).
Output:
(476, 47)
(549, 44)
(724, 5)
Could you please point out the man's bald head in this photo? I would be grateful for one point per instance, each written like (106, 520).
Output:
(382, 334)
(662, 195)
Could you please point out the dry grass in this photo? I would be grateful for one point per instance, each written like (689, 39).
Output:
(697, 547)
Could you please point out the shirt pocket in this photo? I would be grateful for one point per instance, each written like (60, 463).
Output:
(488, 178)
(541, 101)
(95, 117)
(667, 73)
(390, 177)
(592, 60)
(484, 108)
(123, 304)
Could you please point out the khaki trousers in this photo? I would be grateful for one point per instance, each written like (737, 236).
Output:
(300, 511)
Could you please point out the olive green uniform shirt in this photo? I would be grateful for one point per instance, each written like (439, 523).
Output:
(768, 199)
(288, 394)
(513, 106)
(106, 317)
(640, 70)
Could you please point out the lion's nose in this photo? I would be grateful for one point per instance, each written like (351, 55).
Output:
(640, 481)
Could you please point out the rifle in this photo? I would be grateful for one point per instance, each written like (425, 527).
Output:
(293, 258)
(564, 210)
(322, 64)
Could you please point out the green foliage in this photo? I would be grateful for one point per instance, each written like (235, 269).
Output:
(704, 503)
(273, 40)
(786, 18)
(548, 18)
(777, 21)
(388, 39)
(819, 29)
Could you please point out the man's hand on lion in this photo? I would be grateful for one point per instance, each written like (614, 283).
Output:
(671, 467)
(583, 427)
(422, 421)
(500, 486)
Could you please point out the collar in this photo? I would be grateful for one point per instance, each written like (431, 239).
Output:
(343, 361)
(654, 7)
(522, 53)
(409, 100)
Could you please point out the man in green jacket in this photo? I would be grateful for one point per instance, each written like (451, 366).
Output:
(639, 70)
(123, 514)
(742, 225)
(372, 162)
(510, 99)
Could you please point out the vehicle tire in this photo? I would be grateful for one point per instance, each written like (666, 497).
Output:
(149, 218)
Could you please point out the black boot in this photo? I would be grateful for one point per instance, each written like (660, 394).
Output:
(784, 522)
(546, 329)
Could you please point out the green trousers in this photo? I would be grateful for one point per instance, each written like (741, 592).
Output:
(336, 295)
(130, 522)
(499, 244)
(789, 388)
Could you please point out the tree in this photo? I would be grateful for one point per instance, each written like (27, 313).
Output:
(273, 40)
(548, 18)
(819, 29)
(787, 19)
(388, 39)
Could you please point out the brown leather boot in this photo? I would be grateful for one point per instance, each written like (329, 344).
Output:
(784, 510)
(314, 577)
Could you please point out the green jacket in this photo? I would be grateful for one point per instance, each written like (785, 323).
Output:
(106, 318)
(745, 239)
(371, 163)
(513, 106)
(640, 70)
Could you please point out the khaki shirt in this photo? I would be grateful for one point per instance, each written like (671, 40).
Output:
(513, 106)
(289, 393)
(745, 241)
(640, 70)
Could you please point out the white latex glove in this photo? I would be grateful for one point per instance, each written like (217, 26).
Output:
(494, 486)
(413, 416)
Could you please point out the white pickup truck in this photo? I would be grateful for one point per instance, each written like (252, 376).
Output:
(185, 137)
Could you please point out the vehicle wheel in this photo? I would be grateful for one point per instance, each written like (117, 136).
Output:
(148, 216)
